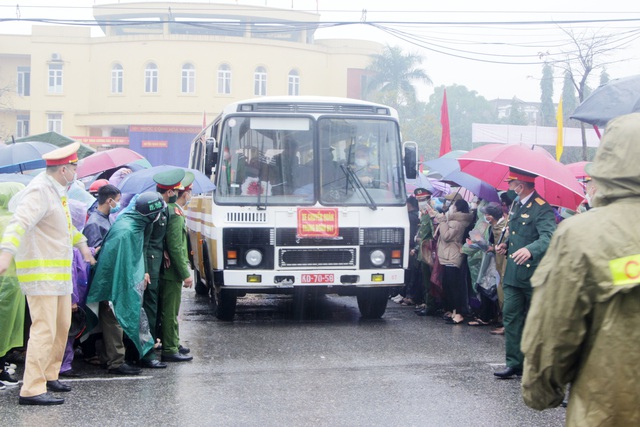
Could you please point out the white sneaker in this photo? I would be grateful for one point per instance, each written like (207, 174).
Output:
(10, 366)
(397, 299)
(7, 380)
(11, 371)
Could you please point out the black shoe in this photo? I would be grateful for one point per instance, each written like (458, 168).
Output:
(176, 357)
(57, 386)
(152, 364)
(41, 399)
(125, 369)
(426, 312)
(183, 350)
(70, 374)
(508, 373)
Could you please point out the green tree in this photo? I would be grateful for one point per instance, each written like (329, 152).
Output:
(516, 115)
(393, 75)
(547, 110)
(569, 100)
(465, 108)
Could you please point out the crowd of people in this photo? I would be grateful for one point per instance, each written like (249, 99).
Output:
(105, 283)
(478, 264)
(565, 296)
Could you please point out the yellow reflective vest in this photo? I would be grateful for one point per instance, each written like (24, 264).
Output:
(41, 238)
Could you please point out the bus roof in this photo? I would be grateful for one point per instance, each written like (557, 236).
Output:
(310, 105)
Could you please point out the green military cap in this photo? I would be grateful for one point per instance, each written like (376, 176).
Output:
(187, 181)
(169, 180)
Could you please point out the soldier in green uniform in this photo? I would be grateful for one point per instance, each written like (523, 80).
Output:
(531, 226)
(166, 184)
(175, 274)
(423, 239)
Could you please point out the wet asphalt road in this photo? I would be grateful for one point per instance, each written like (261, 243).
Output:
(329, 369)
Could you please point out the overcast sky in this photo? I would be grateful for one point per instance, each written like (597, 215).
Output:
(486, 46)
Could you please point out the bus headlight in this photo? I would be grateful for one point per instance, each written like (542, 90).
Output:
(377, 257)
(253, 257)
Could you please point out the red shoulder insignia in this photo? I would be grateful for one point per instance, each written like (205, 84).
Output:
(540, 201)
(177, 211)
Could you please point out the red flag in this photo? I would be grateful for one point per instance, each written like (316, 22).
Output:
(445, 142)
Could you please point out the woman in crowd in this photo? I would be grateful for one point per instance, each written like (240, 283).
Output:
(451, 231)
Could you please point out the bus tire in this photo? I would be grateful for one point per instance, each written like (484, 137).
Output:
(201, 288)
(225, 304)
(372, 302)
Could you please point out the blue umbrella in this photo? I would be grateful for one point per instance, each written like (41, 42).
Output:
(21, 156)
(478, 187)
(142, 180)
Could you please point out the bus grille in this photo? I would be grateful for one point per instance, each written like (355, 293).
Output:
(247, 217)
(317, 257)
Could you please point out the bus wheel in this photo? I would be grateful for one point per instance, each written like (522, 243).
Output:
(372, 302)
(225, 304)
(201, 288)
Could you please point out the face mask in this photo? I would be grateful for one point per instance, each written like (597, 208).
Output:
(361, 162)
(187, 201)
(226, 156)
(473, 205)
(115, 209)
(69, 183)
(423, 205)
(173, 198)
(513, 195)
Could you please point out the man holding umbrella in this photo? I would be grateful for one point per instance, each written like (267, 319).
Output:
(531, 226)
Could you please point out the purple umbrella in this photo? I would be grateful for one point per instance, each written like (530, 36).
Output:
(478, 187)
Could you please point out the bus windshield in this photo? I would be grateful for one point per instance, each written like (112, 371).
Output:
(299, 160)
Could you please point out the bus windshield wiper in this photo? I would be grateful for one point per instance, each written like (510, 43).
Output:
(357, 184)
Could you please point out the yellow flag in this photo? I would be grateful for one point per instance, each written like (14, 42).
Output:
(560, 132)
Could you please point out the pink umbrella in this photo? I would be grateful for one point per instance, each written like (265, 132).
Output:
(109, 159)
(577, 169)
(555, 181)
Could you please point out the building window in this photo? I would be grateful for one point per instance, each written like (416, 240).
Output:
(24, 81)
(260, 82)
(55, 78)
(188, 78)
(54, 123)
(224, 79)
(294, 83)
(151, 78)
(117, 78)
(22, 128)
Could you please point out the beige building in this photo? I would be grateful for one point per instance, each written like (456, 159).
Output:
(164, 64)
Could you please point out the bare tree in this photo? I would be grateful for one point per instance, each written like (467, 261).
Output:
(589, 52)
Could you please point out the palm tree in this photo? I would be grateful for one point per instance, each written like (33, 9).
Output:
(393, 76)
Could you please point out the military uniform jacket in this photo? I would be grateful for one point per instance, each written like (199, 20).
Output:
(425, 232)
(176, 245)
(154, 246)
(531, 226)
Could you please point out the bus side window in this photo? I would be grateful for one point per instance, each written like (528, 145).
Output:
(210, 156)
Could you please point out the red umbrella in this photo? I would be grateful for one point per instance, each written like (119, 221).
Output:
(105, 160)
(577, 169)
(555, 181)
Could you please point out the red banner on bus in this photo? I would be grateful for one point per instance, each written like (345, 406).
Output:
(314, 222)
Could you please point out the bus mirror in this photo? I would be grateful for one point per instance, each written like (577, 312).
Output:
(410, 159)
(210, 156)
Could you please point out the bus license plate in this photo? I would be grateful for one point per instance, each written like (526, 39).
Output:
(317, 278)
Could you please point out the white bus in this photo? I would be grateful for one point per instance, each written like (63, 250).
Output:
(310, 196)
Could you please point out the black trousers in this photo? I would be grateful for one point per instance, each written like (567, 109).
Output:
(455, 290)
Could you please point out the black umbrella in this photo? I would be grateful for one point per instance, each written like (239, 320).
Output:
(614, 98)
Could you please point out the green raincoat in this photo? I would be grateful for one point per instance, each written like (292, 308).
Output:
(119, 277)
(583, 327)
(12, 300)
